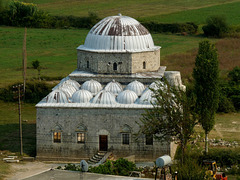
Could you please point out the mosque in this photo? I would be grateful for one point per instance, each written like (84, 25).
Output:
(96, 107)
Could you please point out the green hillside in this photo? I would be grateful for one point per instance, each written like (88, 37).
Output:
(160, 10)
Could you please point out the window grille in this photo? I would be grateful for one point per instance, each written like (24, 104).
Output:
(80, 137)
(125, 139)
(57, 137)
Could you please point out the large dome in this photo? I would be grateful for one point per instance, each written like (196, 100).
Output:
(118, 34)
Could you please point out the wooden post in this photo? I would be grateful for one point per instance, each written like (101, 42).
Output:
(24, 61)
(20, 119)
(18, 96)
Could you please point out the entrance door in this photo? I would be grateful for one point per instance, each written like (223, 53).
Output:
(103, 143)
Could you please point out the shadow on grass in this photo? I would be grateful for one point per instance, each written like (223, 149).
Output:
(9, 138)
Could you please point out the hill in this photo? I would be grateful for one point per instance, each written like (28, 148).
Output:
(151, 9)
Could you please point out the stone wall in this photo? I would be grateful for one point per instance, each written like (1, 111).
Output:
(149, 59)
(103, 62)
(98, 121)
(118, 63)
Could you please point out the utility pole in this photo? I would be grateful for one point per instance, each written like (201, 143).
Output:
(24, 59)
(18, 96)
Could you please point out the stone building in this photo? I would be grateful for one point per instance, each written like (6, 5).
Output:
(97, 106)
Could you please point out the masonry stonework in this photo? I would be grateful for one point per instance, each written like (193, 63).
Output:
(98, 121)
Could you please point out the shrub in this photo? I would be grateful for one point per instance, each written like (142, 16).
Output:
(120, 167)
(234, 75)
(189, 27)
(72, 167)
(216, 27)
(225, 104)
(223, 157)
(34, 92)
(190, 170)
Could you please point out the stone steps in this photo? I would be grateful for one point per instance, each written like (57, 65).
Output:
(96, 158)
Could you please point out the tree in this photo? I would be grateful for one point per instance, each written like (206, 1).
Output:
(171, 117)
(234, 75)
(216, 26)
(36, 65)
(206, 86)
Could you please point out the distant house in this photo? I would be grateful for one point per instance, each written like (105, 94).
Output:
(97, 106)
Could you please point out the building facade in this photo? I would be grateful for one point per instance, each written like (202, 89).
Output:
(97, 107)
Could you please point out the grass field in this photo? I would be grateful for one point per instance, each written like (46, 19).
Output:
(56, 51)
(230, 11)
(136, 9)
(55, 47)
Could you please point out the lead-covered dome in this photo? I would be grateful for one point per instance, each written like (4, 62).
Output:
(136, 86)
(92, 86)
(114, 87)
(118, 34)
(57, 96)
(81, 96)
(127, 97)
(104, 97)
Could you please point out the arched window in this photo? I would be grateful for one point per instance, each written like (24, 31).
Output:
(114, 66)
(57, 133)
(126, 131)
(144, 65)
(87, 64)
(81, 134)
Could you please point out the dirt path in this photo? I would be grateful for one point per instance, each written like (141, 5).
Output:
(27, 169)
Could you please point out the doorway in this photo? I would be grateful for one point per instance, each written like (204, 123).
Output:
(103, 143)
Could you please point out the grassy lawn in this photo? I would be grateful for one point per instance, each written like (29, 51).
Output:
(199, 15)
(227, 127)
(136, 9)
(55, 47)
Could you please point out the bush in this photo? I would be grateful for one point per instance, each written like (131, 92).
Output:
(223, 157)
(216, 27)
(190, 170)
(120, 167)
(71, 167)
(189, 27)
(234, 75)
(34, 92)
(225, 104)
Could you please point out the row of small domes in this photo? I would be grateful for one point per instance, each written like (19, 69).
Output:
(92, 91)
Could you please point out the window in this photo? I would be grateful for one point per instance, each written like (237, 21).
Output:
(144, 65)
(114, 66)
(149, 139)
(80, 137)
(56, 137)
(87, 64)
(125, 139)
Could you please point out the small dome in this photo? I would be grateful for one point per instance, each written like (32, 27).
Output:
(127, 97)
(68, 89)
(57, 96)
(81, 96)
(63, 80)
(118, 34)
(104, 97)
(114, 87)
(147, 97)
(92, 86)
(136, 86)
(155, 85)
(75, 84)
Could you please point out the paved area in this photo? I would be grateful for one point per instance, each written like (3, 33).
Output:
(66, 175)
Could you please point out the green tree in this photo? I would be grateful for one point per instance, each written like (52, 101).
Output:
(171, 117)
(234, 75)
(206, 86)
(216, 26)
(36, 65)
